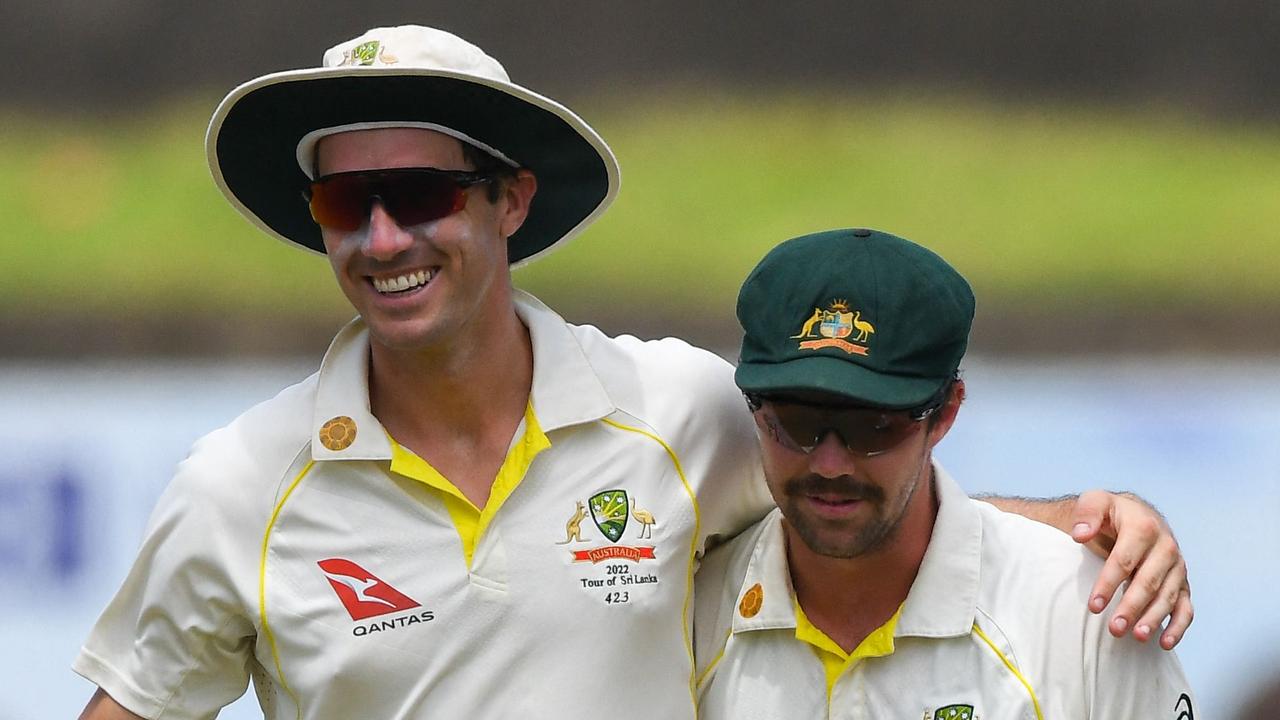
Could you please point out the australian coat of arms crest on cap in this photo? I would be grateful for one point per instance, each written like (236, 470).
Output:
(838, 326)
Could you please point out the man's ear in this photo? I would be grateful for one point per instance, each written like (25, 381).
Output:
(945, 417)
(517, 194)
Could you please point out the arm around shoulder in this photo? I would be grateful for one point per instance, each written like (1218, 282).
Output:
(714, 438)
(1138, 546)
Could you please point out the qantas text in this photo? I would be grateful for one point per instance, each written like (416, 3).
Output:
(393, 623)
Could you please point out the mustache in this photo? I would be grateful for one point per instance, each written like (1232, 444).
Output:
(846, 485)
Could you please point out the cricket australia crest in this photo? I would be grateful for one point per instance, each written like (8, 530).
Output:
(617, 566)
(609, 511)
(953, 712)
(368, 53)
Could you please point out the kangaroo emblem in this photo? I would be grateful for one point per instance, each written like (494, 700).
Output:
(573, 528)
(807, 330)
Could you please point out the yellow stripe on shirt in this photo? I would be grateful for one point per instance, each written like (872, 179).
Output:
(262, 585)
(693, 548)
(1012, 668)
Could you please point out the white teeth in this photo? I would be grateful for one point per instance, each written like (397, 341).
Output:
(402, 282)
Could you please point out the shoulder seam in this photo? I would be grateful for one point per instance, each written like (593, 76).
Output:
(1010, 664)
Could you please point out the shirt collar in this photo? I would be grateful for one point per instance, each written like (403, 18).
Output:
(566, 389)
(342, 400)
(766, 600)
(942, 601)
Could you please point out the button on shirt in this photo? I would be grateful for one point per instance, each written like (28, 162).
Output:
(303, 546)
(994, 627)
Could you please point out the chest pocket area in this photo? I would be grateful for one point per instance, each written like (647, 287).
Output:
(945, 680)
(614, 529)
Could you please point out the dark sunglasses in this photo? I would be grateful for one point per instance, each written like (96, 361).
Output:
(343, 201)
(800, 427)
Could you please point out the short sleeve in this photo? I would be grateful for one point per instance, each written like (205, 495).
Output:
(176, 640)
(732, 494)
(1127, 679)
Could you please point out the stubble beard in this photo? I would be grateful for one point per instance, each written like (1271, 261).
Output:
(873, 535)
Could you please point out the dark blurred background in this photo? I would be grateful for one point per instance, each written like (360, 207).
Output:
(1206, 72)
(1217, 58)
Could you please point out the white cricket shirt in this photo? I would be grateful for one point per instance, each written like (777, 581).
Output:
(995, 627)
(302, 546)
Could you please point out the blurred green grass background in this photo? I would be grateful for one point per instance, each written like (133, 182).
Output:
(1041, 206)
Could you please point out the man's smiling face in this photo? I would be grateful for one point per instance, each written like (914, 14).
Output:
(429, 284)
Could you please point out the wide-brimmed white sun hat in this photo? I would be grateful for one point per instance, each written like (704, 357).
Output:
(261, 140)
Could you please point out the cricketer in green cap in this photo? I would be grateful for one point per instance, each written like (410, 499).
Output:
(855, 313)
(878, 588)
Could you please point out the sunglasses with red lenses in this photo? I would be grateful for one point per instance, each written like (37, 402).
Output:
(412, 196)
(866, 431)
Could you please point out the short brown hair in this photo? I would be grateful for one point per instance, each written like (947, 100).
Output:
(483, 162)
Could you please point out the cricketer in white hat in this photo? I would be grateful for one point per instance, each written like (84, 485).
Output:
(261, 141)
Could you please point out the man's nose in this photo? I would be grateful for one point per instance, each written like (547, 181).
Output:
(831, 457)
(385, 238)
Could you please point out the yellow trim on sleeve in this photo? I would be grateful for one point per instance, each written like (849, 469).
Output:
(470, 520)
(835, 661)
(262, 585)
(693, 549)
(1012, 668)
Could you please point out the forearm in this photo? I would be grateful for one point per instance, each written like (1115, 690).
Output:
(1056, 512)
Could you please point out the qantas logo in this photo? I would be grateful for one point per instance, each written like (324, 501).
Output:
(361, 592)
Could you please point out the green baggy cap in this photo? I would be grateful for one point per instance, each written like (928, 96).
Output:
(856, 313)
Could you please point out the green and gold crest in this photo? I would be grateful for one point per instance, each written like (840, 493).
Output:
(365, 53)
(954, 712)
(609, 510)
